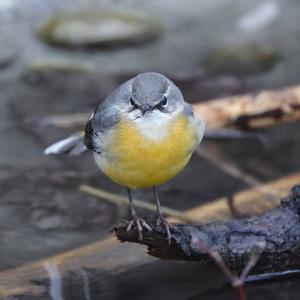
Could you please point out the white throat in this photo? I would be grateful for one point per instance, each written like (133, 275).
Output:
(155, 126)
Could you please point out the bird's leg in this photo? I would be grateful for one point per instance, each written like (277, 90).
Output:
(160, 219)
(140, 223)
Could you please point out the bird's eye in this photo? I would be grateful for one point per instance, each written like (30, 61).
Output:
(134, 105)
(164, 101)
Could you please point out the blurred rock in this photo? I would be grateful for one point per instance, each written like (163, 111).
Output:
(57, 70)
(48, 65)
(99, 29)
(206, 87)
(7, 56)
(50, 222)
(240, 60)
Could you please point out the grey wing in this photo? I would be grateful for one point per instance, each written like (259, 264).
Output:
(106, 116)
(92, 138)
(102, 120)
(96, 128)
(196, 121)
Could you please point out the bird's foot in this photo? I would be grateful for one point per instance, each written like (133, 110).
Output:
(160, 220)
(140, 224)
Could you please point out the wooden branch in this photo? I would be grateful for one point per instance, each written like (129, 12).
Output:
(278, 229)
(250, 201)
(250, 111)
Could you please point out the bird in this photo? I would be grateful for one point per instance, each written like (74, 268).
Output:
(142, 135)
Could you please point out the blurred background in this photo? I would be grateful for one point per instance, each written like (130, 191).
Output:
(64, 57)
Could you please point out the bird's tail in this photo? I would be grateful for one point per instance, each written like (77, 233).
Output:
(72, 145)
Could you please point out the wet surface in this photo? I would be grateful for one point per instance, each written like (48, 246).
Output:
(42, 212)
(174, 280)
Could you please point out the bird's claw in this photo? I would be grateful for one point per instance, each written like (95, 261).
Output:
(140, 224)
(162, 221)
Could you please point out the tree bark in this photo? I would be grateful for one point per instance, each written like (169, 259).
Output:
(278, 229)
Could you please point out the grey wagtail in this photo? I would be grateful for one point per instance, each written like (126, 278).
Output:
(141, 135)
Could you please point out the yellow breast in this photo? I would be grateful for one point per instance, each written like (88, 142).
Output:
(137, 161)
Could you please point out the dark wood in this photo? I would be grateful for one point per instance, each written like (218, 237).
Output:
(278, 230)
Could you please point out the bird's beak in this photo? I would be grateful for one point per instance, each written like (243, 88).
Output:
(145, 108)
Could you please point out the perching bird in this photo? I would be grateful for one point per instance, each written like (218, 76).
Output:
(142, 135)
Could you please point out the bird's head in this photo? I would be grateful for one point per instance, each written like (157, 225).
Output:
(151, 94)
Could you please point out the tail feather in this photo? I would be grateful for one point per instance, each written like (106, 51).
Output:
(72, 145)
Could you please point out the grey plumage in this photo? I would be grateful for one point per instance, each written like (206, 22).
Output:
(145, 89)
(149, 88)
(199, 123)
(105, 117)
